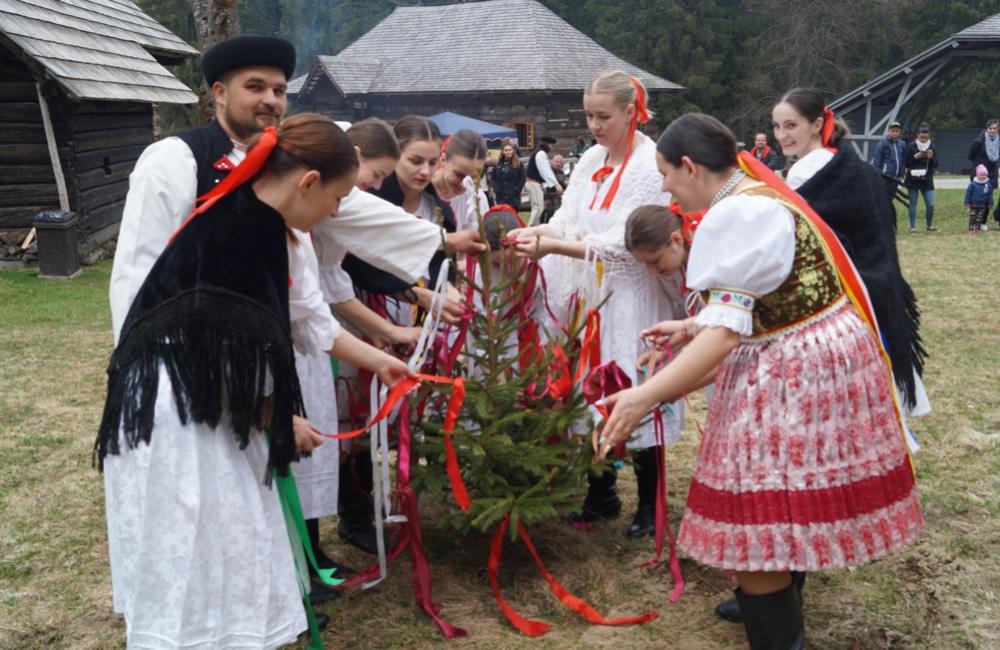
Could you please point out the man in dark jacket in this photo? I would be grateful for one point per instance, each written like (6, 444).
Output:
(764, 153)
(985, 151)
(890, 158)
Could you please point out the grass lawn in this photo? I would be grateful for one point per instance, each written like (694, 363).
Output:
(55, 589)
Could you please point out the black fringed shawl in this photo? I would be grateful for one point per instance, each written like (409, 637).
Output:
(214, 311)
(850, 196)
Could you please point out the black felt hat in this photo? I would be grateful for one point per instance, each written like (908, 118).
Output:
(247, 49)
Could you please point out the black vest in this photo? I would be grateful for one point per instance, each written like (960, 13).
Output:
(532, 172)
(210, 145)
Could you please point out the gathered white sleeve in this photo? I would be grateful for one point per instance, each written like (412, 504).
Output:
(334, 281)
(161, 194)
(314, 329)
(743, 249)
(383, 235)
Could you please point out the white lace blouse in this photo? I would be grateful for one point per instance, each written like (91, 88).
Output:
(743, 249)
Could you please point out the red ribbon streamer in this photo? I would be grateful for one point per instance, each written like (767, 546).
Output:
(246, 170)
(397, 393)
(410, 536)
(535, 628)
(641, 116)
(528, 626)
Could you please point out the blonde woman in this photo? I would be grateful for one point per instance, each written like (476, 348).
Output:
(583, 253)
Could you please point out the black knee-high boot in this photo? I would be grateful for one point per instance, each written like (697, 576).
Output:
(355, 504)
(729, 610)
(602, 500)
(773, 621)
(645, 462)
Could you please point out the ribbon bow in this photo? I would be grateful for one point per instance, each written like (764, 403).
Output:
(829, 124)
(689, 220)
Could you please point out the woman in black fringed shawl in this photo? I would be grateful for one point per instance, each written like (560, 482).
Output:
(204, 406)
(850, 196)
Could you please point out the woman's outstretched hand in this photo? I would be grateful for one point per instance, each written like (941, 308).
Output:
(627, 407)
(391, 371)
(674, 333)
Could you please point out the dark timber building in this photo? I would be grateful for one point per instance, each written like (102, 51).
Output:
(78, 83)
(456, 57)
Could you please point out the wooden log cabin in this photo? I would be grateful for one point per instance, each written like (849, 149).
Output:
(535, 88)
(78, 85)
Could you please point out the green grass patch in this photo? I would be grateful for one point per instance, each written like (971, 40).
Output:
(943, 593)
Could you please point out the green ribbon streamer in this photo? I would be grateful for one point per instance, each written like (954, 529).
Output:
(298, 536)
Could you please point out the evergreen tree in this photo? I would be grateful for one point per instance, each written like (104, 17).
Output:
(522, 451)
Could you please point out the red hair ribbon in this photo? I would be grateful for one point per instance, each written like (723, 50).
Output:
(689, 220)
(444, 145)
(641, 116)
(829, 123)
(246, 170)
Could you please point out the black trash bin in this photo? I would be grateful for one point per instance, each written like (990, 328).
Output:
(58, 236)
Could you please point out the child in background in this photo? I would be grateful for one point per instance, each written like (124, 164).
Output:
(978, 199)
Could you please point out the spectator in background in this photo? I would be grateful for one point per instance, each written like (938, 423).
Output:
(890, 157)
(920, 166)
(985, 151)
(764, 153)
(553, 199)
(508, 177)
(579, 146)
(978, 199)
(539, 178)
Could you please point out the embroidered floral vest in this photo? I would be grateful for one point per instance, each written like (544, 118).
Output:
(811, 286)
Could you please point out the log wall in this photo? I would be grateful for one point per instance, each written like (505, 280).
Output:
(557, 114)
(26, 181)
(98, 143)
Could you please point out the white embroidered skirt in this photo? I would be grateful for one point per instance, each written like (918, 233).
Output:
(318, 475)
(200, 557)
(803, 464)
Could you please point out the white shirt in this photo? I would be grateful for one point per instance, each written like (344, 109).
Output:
(379, 233)
(807, 166)
(161, 194)
(544, 169)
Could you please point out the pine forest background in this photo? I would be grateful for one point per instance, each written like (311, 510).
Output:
(735, 57)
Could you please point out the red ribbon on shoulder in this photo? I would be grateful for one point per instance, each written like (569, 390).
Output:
(243, 172)
(641, 116)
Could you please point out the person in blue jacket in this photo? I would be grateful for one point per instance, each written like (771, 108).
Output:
(890, 158)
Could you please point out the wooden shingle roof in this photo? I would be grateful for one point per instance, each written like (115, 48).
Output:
(97, 49)
(552, 56)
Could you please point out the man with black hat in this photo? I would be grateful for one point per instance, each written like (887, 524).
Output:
(248, 76)
(539, 177)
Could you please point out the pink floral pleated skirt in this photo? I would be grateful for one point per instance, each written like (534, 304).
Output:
(803, 465)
